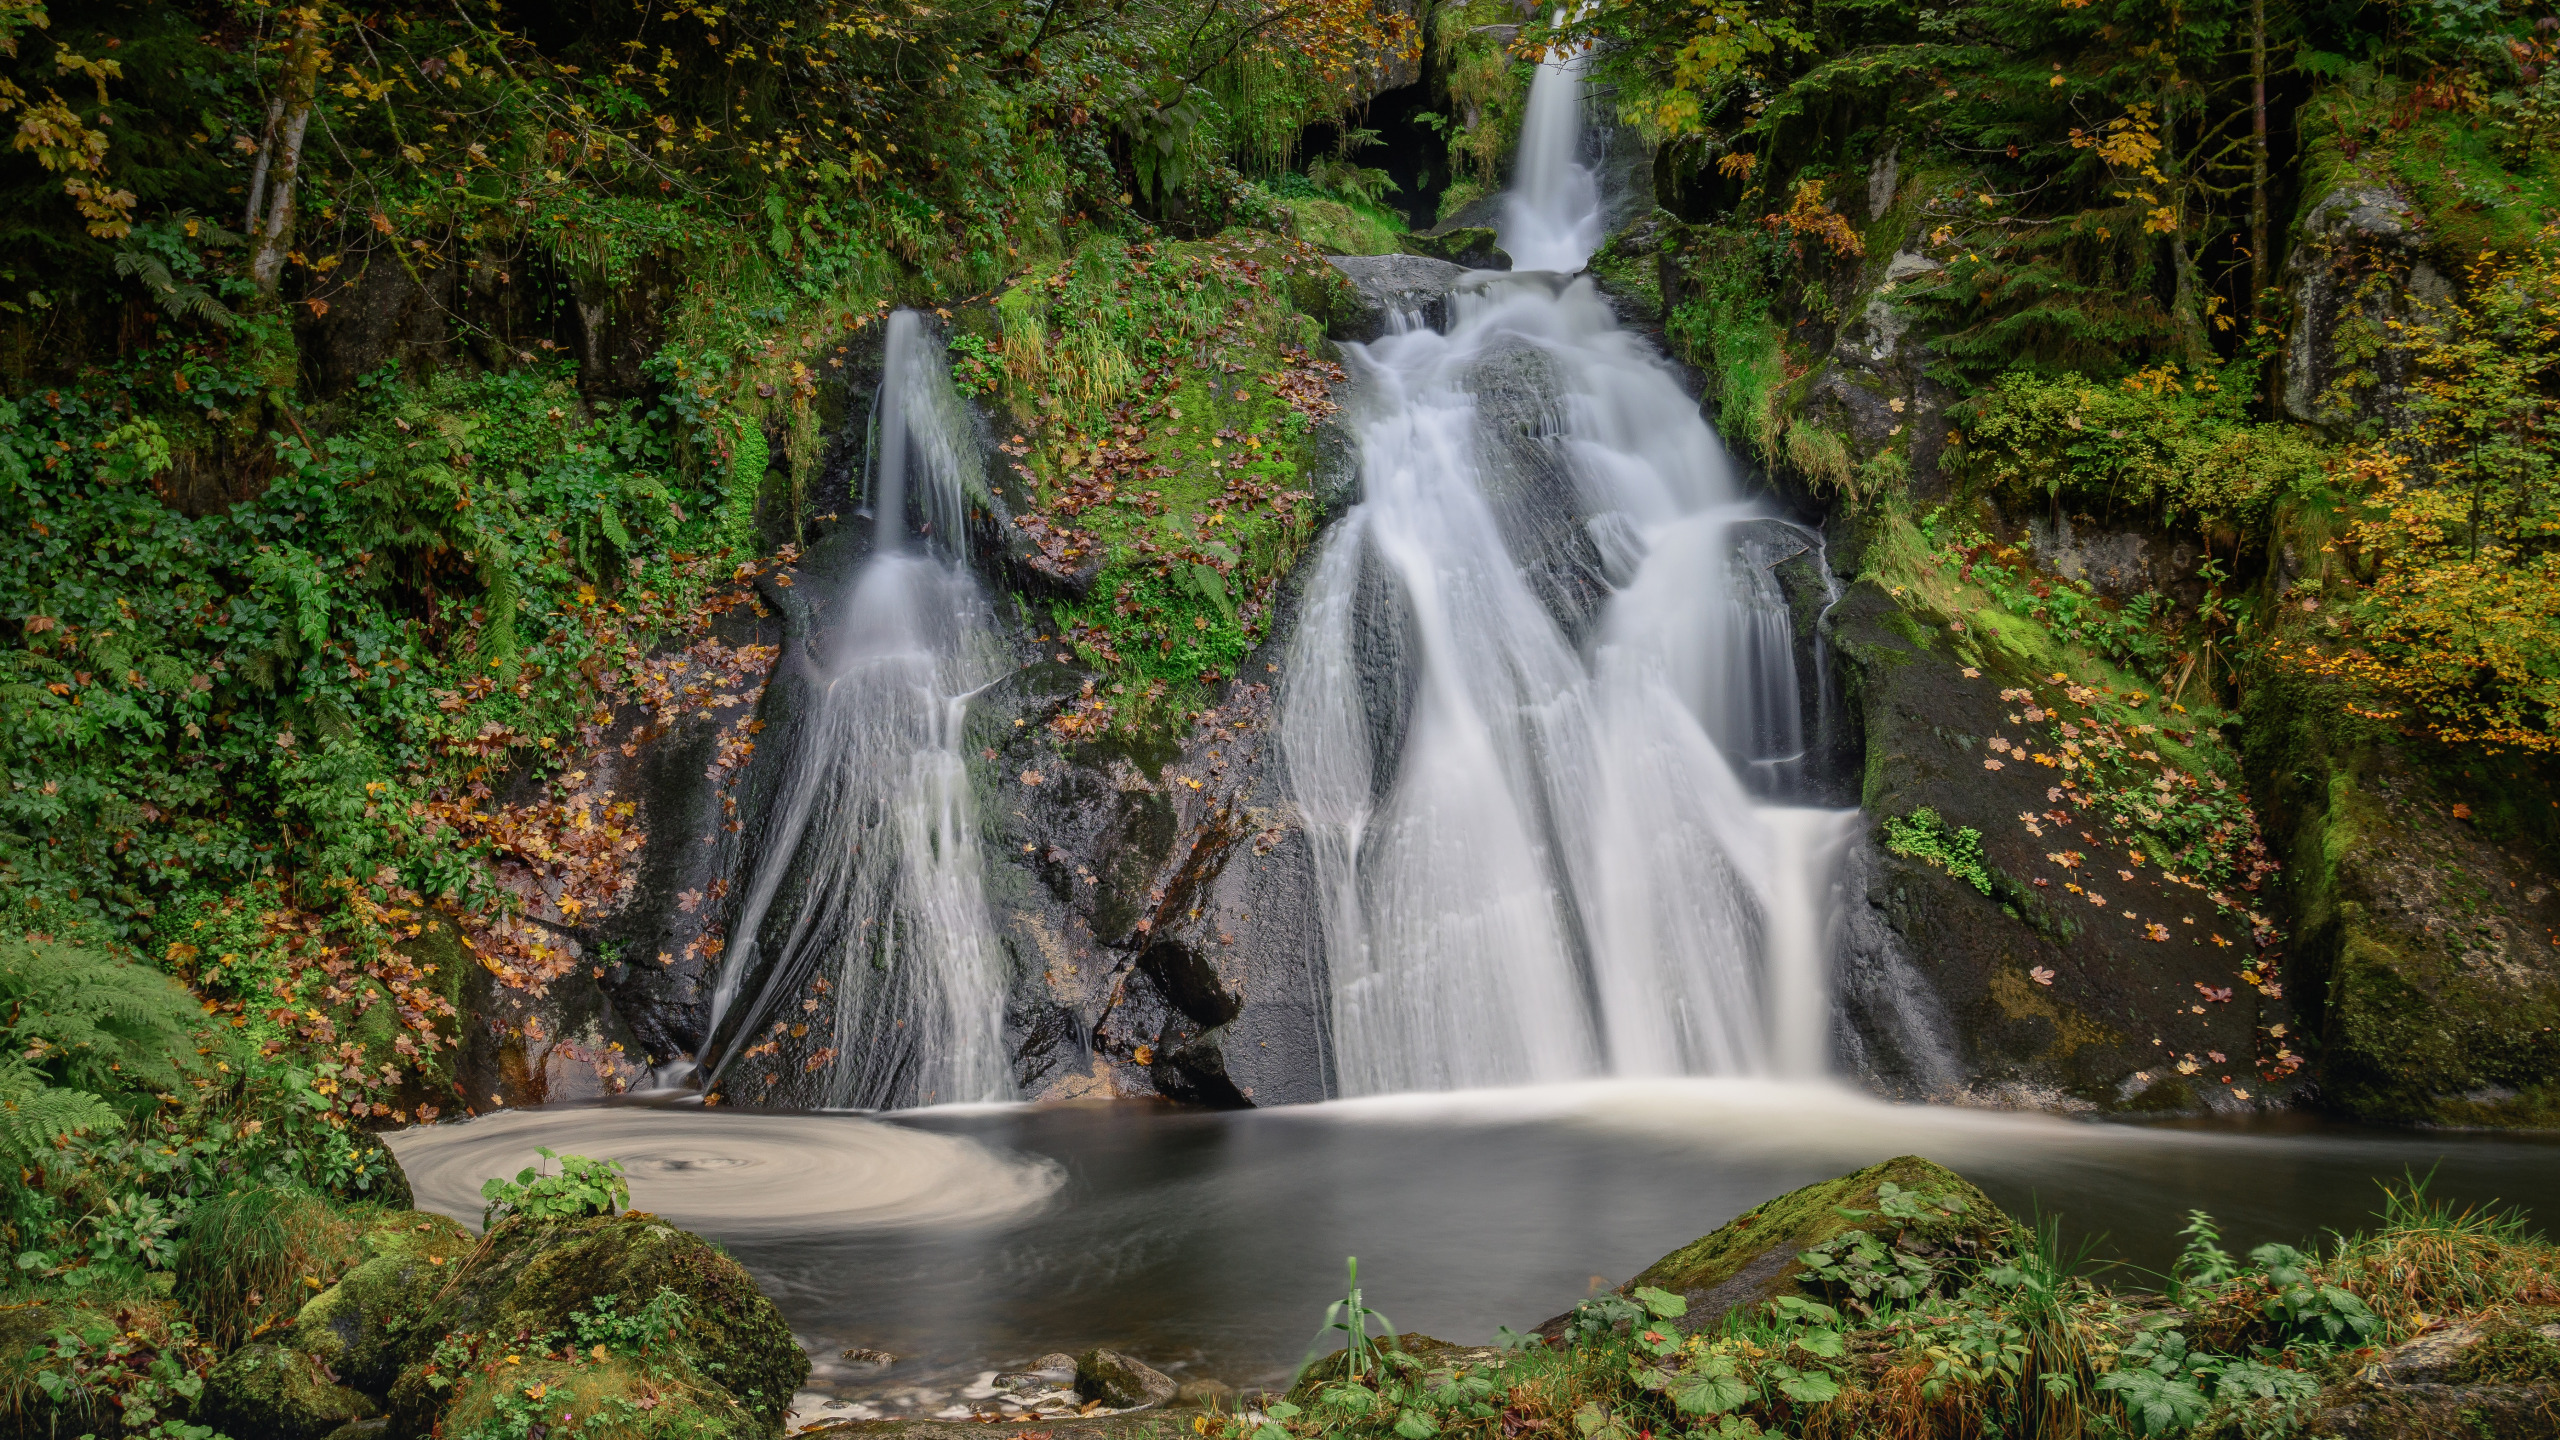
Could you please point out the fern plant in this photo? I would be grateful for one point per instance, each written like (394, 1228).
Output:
(83, 1036)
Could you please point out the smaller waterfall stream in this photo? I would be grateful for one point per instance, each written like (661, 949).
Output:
(886, 939)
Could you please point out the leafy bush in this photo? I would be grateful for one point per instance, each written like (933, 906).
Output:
(583, 1187)
(2175, 448)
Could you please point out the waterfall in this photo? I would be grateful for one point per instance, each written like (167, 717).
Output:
(1530, 674)
(1552, 218)
(887, 951)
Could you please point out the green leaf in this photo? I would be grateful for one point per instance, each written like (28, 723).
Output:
(1415, 1425)
(1662, 1303)
(1811, 1387)
(1825, 1343)
(1711, 1389)
(1282, 1410)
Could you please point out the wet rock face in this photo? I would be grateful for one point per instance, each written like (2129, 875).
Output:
(2030, 996)
(1157, 906)
(1527, 481)
(1386, 286)
(2358, 263)
(2423, 951)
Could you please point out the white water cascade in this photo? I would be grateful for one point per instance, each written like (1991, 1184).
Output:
(874, 838)
(1529, 678)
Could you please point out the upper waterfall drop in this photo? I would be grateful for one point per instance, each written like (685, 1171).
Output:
(885, 939)
(1530, 674)
(1551, 220)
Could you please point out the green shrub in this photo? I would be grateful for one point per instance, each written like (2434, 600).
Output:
(583, 1187)
(2178, 447)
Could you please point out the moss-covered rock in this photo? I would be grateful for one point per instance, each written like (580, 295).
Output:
(529, 1278)
(359, 1326)
(582, 1394)
(2423, 915)
(1469, 245)
(1752, 1259)
(2499, 1376)
(278, 1393)
(2070, 965)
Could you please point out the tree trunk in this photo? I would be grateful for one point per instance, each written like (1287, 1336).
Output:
(2258, 163)
(274, 234)
(258, 174)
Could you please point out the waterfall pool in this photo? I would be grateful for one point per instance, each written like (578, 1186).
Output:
(965, 1241)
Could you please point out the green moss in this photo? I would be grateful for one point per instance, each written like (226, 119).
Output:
(1752, 1258)
(2472, 192)
(275, 1391)
(1720, 323)
(613, 1397)
(1147, 384)
(1344, 225)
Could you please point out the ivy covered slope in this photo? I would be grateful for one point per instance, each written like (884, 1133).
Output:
(409, 425)
(2177, 381)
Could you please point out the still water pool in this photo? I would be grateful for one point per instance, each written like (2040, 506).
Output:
(964, 1241)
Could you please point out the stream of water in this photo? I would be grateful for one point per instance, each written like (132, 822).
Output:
(967, 1241)
(1530, 686)
(886, 934)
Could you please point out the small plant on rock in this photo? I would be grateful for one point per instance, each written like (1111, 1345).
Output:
(583, 1187)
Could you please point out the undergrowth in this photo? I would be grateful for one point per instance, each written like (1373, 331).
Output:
(2029, 1341)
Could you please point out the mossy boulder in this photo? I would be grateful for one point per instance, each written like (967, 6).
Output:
(359, 1326)
(276, 1392)
(1752, 1259)
(2497, 1376)
(569, 1392)
(1469, 245)
(528, 1278)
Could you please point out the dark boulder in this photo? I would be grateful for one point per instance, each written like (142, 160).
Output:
(1386, 286)
(1121, 1382)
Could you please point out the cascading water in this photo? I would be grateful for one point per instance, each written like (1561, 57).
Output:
(1518, 742)
(887, 936)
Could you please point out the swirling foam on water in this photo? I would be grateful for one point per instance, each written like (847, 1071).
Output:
(741, 1175)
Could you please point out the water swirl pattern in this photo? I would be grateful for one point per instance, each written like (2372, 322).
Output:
(737, 1174)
